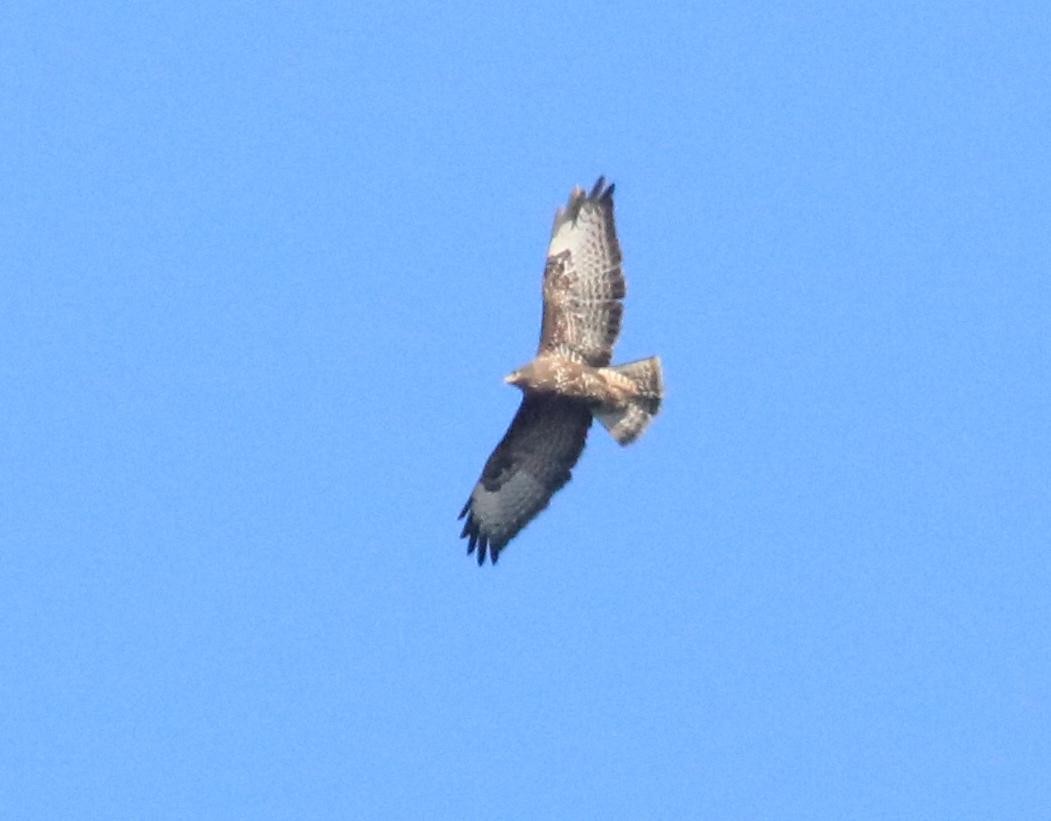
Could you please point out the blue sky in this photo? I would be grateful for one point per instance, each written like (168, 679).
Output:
(264, 269)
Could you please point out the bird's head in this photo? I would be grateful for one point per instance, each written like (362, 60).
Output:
(520, 376)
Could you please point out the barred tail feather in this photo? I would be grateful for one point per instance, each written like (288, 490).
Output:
(626, 423)
(648, 378)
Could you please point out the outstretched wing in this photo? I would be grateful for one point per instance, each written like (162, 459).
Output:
(583, 282)
(531, 463)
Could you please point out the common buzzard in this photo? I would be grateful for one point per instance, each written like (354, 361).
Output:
(568, 382)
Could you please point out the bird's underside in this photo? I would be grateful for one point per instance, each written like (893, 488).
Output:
(570, 381)
(611, 393)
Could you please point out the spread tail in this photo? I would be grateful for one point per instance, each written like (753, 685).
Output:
(625, 423)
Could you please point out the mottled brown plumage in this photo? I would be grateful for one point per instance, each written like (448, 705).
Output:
(583, 281)
(569, 382)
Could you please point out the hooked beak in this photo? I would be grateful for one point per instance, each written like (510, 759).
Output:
(512, 378)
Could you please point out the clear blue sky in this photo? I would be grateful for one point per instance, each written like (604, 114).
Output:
(263, 271)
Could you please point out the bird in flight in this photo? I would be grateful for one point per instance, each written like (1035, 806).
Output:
(569, 382)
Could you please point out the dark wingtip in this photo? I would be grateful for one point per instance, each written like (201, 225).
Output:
(477, 540)
(601, 191)
(466, 507)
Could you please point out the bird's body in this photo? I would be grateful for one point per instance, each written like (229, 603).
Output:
(569, 382)
(555, 374)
